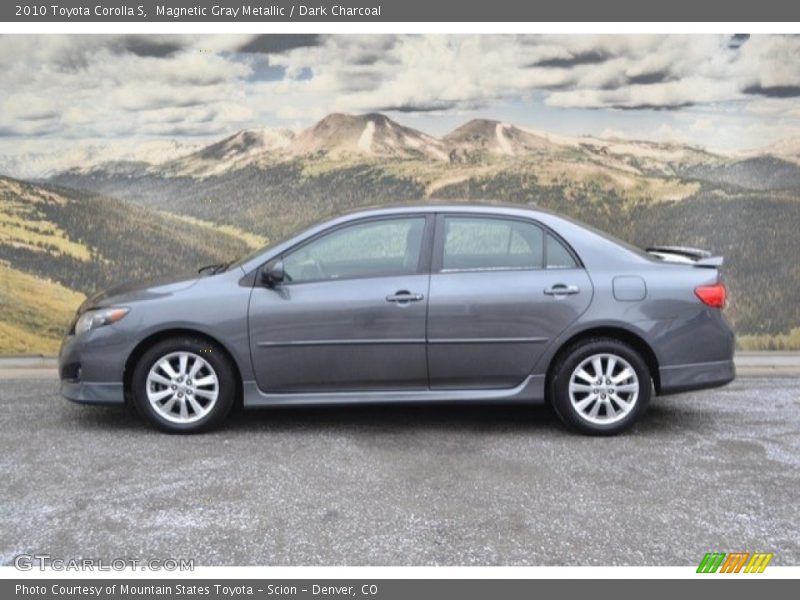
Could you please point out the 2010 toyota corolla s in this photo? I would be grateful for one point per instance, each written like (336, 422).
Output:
(433, 303)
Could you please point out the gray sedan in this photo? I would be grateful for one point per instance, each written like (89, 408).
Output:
(432, 303)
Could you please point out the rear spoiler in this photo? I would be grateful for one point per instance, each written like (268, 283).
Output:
(686, 255)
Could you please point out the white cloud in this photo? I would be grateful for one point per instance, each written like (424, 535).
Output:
(29, 107)
(585, 71)
(77, 87)
(771, 61)
(107, 86)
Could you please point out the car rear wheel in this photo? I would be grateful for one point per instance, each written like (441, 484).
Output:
(601, 387)
(184, 385)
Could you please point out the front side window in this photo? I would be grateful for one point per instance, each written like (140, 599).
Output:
(478, 244)
(369, 249)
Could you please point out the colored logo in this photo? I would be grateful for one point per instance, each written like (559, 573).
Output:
(734, 562)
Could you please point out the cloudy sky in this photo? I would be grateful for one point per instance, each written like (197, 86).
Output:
(721, 91)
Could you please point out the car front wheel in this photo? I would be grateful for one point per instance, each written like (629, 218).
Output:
(601, 387)
(184, 385)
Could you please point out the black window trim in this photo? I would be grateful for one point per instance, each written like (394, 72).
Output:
(423, 265)
(437, 260)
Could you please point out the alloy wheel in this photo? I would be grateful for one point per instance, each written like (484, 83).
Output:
(182, 387)
(603, 389)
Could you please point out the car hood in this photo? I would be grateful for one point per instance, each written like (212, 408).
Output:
(144, 289)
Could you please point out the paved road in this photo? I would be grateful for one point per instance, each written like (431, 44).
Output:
(416, 485)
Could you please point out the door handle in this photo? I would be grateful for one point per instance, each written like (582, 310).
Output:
(403, 297)
(562, 290)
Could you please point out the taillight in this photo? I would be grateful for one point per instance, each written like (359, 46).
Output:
(711, 295)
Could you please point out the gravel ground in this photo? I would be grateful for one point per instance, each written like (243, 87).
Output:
(711, 471)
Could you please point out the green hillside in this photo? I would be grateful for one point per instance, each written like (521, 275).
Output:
(273, 199)
(757, 173)
(57, 245)
(36, 312)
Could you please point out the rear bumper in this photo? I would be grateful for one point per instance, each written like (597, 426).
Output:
(697, 376)
(86, 392)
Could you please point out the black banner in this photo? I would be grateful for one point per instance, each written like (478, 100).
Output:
(391, 589)
(397, 11)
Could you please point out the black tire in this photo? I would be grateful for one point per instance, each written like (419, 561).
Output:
(568, 363)
(214, 356)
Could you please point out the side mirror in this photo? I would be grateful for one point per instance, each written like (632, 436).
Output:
(273, 273)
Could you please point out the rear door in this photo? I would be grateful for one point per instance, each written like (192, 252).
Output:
(500, 289)
(351, 313)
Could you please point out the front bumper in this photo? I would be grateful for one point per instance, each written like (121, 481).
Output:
(697, 376)
(86, 392)
(92, 365)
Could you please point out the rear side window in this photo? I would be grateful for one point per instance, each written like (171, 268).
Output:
(480, 244)
(491, 243)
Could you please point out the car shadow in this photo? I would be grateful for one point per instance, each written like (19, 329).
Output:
(662, 418)
(380, 417)
(392, 418)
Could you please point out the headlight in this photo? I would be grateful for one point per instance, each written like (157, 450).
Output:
(92, 319)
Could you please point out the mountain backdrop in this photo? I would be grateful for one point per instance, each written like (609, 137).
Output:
(66, 231)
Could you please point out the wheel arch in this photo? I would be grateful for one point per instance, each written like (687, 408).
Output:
(154, 338)
(636, 341)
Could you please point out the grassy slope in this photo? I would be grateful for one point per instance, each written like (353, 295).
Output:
(35, 312)
(785, 341)
(57, 245)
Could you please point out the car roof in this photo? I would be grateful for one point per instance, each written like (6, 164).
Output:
(438, 206)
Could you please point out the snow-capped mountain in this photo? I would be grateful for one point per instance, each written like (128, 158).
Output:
(340, 135)
(497, 138)
(372, 137)
(239, 150)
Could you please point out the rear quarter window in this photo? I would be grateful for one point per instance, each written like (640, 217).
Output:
(558, 257)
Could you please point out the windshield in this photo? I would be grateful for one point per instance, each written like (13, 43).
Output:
(305, 224)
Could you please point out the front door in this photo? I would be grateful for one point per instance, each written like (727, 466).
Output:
(350, 315)
(501, 288)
